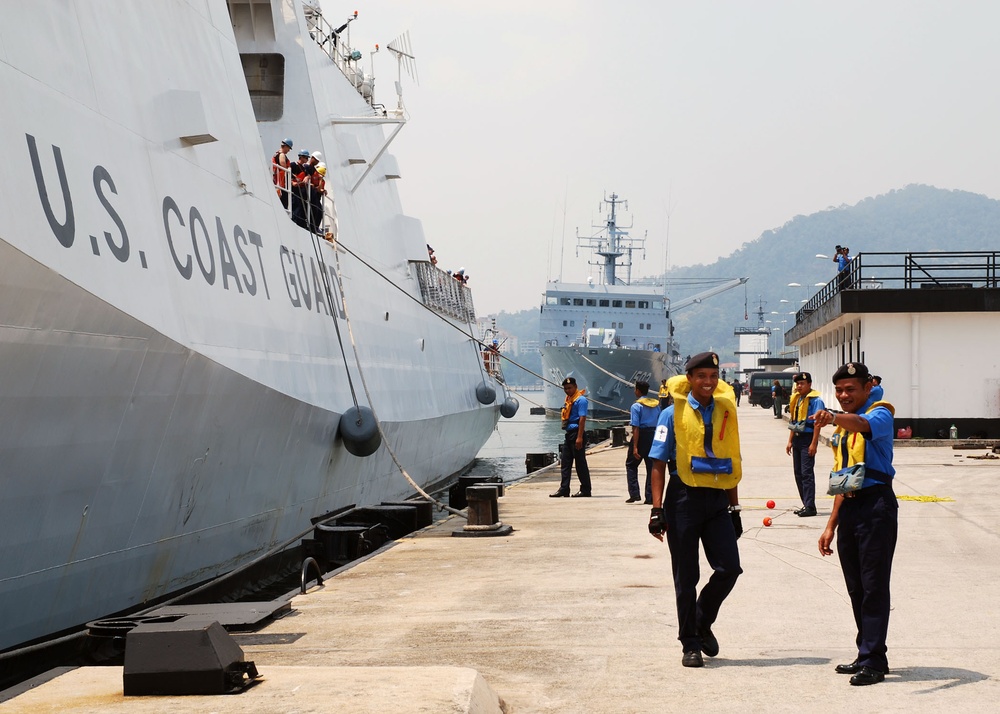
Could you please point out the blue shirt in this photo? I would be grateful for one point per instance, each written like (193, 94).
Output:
(579, 409)
(877, 393)
(664, 446)
(842, 262)
(878, 449)
(643, 416)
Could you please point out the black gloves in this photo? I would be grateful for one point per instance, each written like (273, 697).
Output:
(737, 523)
(657, 523)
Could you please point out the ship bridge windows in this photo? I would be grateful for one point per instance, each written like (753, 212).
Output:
(591, 302)
(578, 301)
(630, 304)
(644, 304)
(657, 304)
(616, 303)
(551, 300)
(604, 303)
(564, 301)
(265, 76)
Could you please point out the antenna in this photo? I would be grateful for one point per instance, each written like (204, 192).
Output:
(403, 51)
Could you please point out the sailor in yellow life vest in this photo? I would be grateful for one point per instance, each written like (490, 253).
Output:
(697, 439)
(574, 421)
(803, 440)
(865, 520)
(642, 418)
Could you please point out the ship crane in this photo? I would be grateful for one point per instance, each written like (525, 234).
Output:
(696, 299)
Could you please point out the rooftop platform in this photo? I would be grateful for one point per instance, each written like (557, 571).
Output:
(574, 612)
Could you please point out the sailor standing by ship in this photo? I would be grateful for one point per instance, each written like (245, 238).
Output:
(697, 439)
(574, 420)
(642, 418)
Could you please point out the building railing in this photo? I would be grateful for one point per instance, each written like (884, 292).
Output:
(443, 293)
(909, 271)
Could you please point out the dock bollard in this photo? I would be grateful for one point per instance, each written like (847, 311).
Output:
(484, 514)
(533, 462)
(618, 436)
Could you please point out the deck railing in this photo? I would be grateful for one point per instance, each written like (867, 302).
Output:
(443, 293)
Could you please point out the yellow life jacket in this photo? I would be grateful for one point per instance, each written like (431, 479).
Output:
(798, 408)
(568, 406)
(648, 402)
(689, 433)
(855, 442)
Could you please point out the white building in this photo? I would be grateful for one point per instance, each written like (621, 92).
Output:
(927, 323)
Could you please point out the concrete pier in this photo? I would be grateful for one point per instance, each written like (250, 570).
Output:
(574, 611)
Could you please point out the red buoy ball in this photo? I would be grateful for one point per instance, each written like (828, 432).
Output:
(769, 504)
(767, 522)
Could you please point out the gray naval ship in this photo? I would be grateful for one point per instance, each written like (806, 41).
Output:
(611, 333)
(178, 356)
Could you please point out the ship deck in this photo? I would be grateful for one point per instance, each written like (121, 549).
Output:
(574, 611)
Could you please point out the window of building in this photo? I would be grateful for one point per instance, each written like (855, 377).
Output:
(630, 303)
(616, 303)
(604, 303)
(578, 301)
(591, 302)
(644, 304)
(564, 301)
(551, 300)
(657, 304)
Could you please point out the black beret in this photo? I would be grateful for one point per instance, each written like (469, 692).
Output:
(704, 359)
(569, 380)
(802, 377)
(855, 370)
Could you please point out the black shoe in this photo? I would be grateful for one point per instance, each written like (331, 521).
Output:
(648, 502)
(581, 494)
(806, 512)
(559, 494)
(692, 659)
(867, 676)
(852, 668)
(633, 499)
(709, 645)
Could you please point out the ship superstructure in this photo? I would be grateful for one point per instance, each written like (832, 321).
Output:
(606, 333)
(176, 352)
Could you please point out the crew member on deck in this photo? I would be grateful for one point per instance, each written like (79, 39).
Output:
(574, 420)
(864, 520)
(803, 439)
(643, 416)
(697, 439)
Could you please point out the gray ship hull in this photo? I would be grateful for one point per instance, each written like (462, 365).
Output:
(175, 352)
(136, 467)
(610, 396)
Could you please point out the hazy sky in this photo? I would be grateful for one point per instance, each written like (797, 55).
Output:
(731, 118)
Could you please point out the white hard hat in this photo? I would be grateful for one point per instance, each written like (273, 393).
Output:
(318, 156)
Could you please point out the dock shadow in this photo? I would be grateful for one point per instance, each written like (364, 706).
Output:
(948, 677)
(771, 662)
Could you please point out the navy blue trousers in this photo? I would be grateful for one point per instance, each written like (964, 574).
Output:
(646, 435)
(866, 540)
(804, 467)
(571, 455)
(699, 515)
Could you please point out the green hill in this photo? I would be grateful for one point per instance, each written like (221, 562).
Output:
(914, 218)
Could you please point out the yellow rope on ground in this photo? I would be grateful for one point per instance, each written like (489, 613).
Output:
(926, 499)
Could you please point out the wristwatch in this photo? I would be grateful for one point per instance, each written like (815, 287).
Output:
(735, 509)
